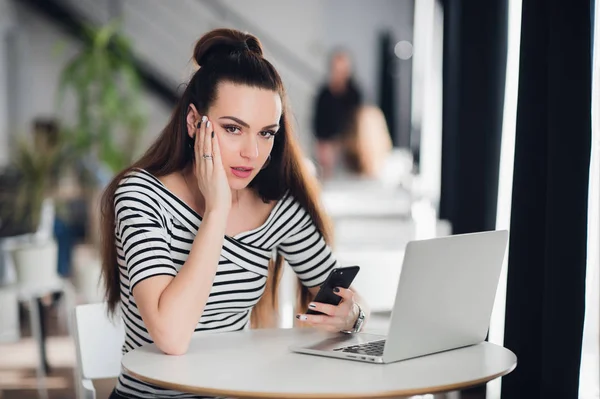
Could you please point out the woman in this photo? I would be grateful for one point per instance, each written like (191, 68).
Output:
(189, 231)
(334, 115)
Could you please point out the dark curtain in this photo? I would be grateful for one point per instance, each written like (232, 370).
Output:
(474, 74)
(474, 70)
(547, 258)
(387, 83)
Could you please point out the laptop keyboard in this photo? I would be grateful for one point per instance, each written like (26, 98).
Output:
(374, 348)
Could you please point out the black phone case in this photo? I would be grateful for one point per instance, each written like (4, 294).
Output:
(339, 277)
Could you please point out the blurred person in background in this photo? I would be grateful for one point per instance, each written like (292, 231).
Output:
(335, 111)
(189, 230)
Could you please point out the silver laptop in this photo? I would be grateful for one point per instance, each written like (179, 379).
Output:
(444, 301)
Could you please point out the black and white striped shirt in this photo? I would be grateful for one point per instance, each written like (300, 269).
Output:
(154, 234)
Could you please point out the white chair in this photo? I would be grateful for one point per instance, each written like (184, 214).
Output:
(98, 342)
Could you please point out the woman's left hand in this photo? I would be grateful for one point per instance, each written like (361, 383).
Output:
(334, 318)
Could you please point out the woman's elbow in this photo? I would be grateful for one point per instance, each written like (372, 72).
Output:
(172, 348)
(172, 344)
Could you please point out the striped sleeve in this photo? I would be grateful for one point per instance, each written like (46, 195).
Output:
(141, 233)
(308, 254)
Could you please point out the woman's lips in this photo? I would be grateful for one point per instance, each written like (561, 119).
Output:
(241, 171)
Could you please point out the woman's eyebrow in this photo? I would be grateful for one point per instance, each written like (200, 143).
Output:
(275, 125)
(233, 118)
(244, 124)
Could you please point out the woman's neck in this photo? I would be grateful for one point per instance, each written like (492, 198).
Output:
(240, 196)
(237, 196)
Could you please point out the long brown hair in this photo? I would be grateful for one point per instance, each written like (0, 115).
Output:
(224, 55)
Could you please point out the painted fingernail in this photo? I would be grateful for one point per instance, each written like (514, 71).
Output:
(336, 289)
(212, 135)
(207, 124)
(312, 305)
(198, 125)
(204, 118)
(302, 317)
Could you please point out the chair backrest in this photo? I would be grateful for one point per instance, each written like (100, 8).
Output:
(98, 341)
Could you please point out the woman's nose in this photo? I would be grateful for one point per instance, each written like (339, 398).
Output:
(250, 148)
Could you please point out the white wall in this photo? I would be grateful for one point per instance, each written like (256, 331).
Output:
(37, 67)
(6, 25)
(299, 25)
(589, 382)
(427, 96)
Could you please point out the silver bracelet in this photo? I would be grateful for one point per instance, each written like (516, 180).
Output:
(358, 323)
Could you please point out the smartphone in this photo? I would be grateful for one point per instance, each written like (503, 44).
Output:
(339, 277)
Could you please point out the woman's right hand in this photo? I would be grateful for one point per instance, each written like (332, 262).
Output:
(209, 171)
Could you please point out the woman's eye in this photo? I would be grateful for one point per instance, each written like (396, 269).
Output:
(232, 129)
(267, 133)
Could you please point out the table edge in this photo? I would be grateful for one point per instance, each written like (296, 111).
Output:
(275, 395)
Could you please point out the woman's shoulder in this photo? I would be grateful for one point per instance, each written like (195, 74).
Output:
(139, 190)
(290, 206)
(138, 177)
(286, 198)
(138, 183)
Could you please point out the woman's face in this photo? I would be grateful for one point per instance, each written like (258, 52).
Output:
(341, 67)
(245, 120)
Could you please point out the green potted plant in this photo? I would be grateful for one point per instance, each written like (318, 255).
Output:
(109, 117)
(103, 132)
(36, 255)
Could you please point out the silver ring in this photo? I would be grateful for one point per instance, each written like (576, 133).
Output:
(206, 156)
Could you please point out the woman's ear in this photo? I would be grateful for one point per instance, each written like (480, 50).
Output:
(192, 120)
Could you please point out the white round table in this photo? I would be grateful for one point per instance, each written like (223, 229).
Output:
(259, 364)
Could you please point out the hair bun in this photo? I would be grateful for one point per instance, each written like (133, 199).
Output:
(254, 45)
(224, 42)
